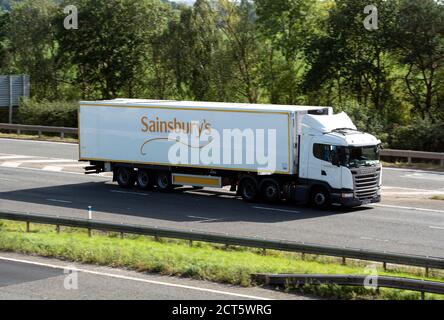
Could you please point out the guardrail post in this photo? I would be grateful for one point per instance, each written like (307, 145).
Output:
(27, 226)
(422, 295)
(426, 272)
(40, 133)
(302, 255)
(264, 252)
(122, 235)
(384, 265)
(409, 160)
(344, 261)
(19, 131)
(89, 218)
(62, 134)
(190, 243)
(57, 229)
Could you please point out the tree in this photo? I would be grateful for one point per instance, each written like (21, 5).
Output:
(30, 31)
(238, 22)
(352, 58)
(111, 47)
(418, 39)
(4, 17)
(286, 25)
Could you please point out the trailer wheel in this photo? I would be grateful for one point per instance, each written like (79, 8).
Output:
(163, 181)
(125, 177)
(144, 179)
(320, 198)
(270, 190)
(248, 190)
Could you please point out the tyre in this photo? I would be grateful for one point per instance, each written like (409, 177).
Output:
(144, 179)
(248, 190)
(125, 177)
(271, 190)
(320, 198)
(163, 181)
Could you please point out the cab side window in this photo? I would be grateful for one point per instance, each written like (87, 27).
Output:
(322, 151)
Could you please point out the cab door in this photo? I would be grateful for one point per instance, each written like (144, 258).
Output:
(320, 166)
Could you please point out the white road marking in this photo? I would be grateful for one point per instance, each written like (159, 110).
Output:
(434, 227)
(61, 201)
(424, 176)
(276, 209)
(48, 161)
(413, 170)
(374, 239)
(106, 175)
(127, 192)
(12, 157)
(203, 219)
(406, 208)
(52, 168)
(11, 164)
(111, 275)
(38, 141)
(407, 189)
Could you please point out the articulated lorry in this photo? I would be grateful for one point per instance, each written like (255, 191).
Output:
(263, 152)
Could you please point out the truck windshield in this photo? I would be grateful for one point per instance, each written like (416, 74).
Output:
(362, 156)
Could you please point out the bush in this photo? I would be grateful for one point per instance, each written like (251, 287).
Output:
(45, 113)
(423, 136)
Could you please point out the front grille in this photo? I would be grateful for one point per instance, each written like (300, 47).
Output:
(366, 182)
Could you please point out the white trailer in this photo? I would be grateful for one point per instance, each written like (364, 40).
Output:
(268, 152)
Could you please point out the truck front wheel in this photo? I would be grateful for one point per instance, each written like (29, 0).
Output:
(125, 177)
(320, 198)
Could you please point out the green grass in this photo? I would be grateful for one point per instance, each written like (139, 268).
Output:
(437, 198)
(202, 261)
(37, 138)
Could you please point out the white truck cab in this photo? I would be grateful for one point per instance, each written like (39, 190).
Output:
(341, 160)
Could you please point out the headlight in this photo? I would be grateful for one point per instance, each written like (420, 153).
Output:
(346, 195)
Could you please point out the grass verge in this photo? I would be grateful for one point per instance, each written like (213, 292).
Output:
(416, 165)
(437, 198)
(37, 138)
(201, 261)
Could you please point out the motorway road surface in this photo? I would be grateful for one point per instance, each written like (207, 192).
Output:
(44, 178)
(30, 278)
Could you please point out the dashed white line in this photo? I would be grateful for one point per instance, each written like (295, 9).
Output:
(128, 192)
(438, 228)
(117, 276)
(52, 168)
(276, 209)
(203, 219)
(60, 201)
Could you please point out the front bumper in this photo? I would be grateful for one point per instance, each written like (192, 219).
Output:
(353, 201)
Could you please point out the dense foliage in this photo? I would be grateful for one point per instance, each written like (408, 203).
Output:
(317, 52)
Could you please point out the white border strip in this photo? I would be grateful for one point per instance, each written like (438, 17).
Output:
(104, 274)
